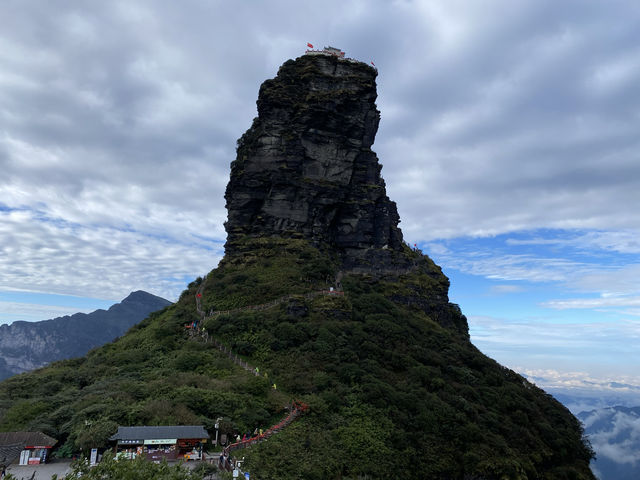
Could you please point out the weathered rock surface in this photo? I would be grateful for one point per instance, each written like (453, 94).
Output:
(26, 346)
(305, 168)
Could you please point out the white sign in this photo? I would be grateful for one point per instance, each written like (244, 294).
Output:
(161, 441)
(236, 472)
(94, 456)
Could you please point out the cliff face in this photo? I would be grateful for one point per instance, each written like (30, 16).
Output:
(26, 346)
(305, 168)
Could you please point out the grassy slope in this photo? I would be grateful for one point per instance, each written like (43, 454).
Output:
(392, 393)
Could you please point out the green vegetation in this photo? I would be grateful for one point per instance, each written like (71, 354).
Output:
(393, 392)
(138, 469)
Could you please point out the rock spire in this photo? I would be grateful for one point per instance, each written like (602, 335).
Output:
(305, 168)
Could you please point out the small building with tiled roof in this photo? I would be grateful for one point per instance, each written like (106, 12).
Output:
(156, 443)
(31, 447)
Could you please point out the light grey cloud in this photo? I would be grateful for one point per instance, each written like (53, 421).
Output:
(42, 254)
(507, 125)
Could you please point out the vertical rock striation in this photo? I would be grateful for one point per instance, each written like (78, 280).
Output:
(305, 168)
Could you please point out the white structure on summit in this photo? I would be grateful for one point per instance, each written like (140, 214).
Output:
(335, 52)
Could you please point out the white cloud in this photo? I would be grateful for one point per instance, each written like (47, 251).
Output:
(551, 378)
(619, 441)
(534, 344)
(594, 303)
(50, 255)
(516, 267)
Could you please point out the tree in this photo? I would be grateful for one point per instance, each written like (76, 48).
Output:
(138, 469)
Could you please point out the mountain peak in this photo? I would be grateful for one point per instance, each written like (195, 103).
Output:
(142, 296)
(305, 168)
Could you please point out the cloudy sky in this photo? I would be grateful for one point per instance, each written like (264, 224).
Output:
(509, 140)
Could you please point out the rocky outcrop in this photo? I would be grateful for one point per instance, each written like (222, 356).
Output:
(26, 346)
(305, 168)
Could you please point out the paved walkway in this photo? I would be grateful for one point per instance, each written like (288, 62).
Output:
(296, 408)
(40, 472)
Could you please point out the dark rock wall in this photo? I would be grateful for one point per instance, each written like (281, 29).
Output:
(305, 168)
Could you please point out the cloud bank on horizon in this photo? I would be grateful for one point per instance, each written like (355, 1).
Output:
(508, 139)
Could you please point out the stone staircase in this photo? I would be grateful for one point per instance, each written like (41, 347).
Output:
(295, 409)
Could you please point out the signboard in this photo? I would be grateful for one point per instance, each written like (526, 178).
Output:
(161, 441)
(246, 475)
(236, 472)
(94, 456)
(130, 442)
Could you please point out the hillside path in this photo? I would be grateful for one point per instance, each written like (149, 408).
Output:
(295, 410)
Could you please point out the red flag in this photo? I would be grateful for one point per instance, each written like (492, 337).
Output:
(373, 64)
(309, 45)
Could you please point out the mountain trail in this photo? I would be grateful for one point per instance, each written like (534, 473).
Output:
(198, 332)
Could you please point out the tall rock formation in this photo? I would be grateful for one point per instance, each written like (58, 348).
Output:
(305, 168)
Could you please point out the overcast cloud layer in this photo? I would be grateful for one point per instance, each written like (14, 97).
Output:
(118, 121)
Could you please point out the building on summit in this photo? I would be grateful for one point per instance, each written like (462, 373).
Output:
(336, 52)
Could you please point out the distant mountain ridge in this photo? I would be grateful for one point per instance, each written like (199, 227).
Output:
(26, 346)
